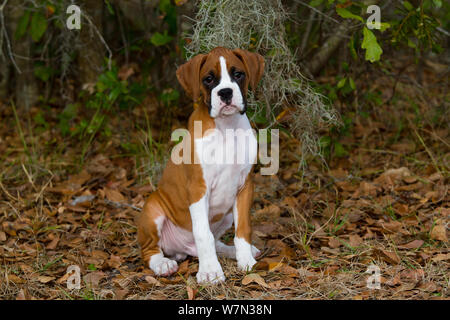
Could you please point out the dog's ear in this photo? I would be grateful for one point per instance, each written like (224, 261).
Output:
(254, 63)
(188, 75)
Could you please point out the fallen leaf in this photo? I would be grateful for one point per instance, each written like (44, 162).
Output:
(392, 226)
(100, 254)
(9, 228)
(120, 294)
(275, 284)
(114, 261)
(183, 267)
(355, 240)
(53, 244)
(153, 281)
(393, 175)
(429, 286)
(415, 244)
(92, 279)
(15, 279)
(272, 211)
(283, 268)
(175, 280)
(254, 277)
(441, 257)
(439, 232)
(261, 265)
(114, 195)
(287, 252)
(22, 295)
(331, 270)
(63, 278)
(191, 292)
(330, 251)
(389, 257)
(45, 279)
(413, 274)
(125, 72)
(334, 243)
(83, 200)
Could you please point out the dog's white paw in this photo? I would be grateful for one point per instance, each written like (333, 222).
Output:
(255, 252)
(245, 254)
(246, 263)
(210, 272)
(162, 266)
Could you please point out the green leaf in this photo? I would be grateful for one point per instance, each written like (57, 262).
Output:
(315, 3)
(370, 43)
(344, 13)
(22, 25)
(43, 72)
(325, 142)
(109, 6)
(437, 3)
(170, 12)
(352, 84)
(339, 150)
(352, 47)
(38, 26)
(408, 5)
(92, 267)
(384, 26)
(341, 83)
(159, 39)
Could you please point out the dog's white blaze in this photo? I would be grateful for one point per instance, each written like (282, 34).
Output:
(225, 82)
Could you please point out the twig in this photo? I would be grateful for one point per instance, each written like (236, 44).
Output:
(434, 135)
(307, 32)
(122, 205)
(328, 48)
(318, 11)
(6, 191)
(443, 31)
(427, 150)
(122, 34)
(102, 40)
(395, 154)
(29, 177)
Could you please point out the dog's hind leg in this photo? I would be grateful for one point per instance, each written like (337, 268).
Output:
(227, 251)
(150, 224)
(224, 250)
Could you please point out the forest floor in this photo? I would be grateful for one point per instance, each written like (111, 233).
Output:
(384, 202)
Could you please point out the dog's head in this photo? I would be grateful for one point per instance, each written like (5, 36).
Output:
(221, 78)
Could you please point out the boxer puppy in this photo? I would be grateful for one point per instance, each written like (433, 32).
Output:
(196, 202)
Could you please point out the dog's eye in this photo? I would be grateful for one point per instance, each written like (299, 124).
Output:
(238, 75)
(208, 80)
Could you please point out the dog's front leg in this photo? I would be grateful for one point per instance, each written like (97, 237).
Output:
(209, 269)
(243, 230)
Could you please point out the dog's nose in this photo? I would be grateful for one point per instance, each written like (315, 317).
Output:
(225, 94)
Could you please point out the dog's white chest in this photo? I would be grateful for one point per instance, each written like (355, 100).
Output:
(226, 157)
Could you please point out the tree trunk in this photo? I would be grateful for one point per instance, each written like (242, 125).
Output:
(4, 77)
(328, 48)
(26, 89)
(92, 52)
